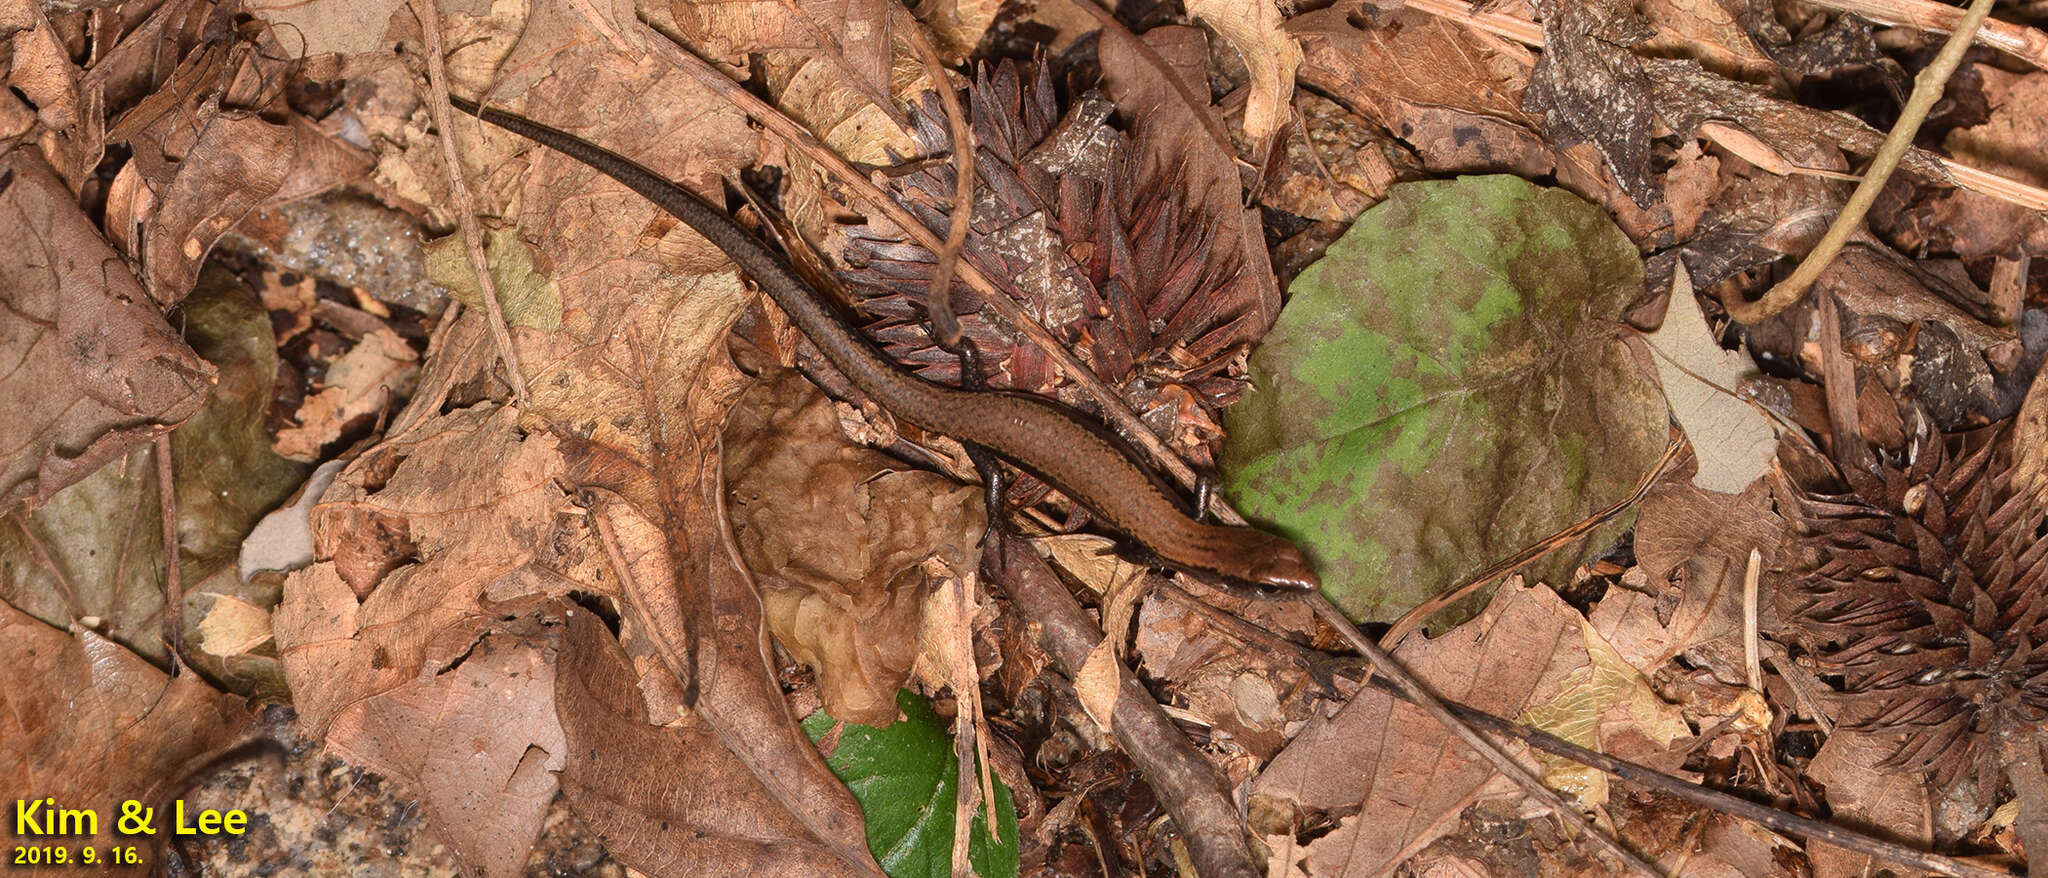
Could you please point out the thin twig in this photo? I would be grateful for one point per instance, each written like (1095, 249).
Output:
(1414, 618)
(939, 296)
(174, 580)
(458, 192)
(1927, 88)
(1752, 651)
(1734, 806)
(1416, 693)
(42, 553)
(969, 788)
(2033, 43)
(1112, 405)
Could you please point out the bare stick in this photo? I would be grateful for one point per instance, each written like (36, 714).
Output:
(1188, 784)
(458, 191)
(939, 296)
(1416, 693)
(1927, 88)
(174, 580)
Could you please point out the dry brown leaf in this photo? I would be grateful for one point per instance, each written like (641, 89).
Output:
(1271, 55)
(237, 164)
(478, 743)
(958, 25)
(350, 27)
(701, 810)
(1403, 772)
(1589, 87)
(1732, 441)
(89, 725)
(839, 534)
(70, 109)
(97, 371)
(1693, 546)
(1862, 792)
(1407, 61)
(358, 384)
(1448, 93)
(1097, 683)
(419, 539)
(232, 626)
(850, 41)
(1711, 30)
(630, 375)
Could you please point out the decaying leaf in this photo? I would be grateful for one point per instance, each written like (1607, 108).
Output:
(1252, 27)
(1459, 341)
(1590, 88)
(99, 372)
(838, 535)
(1731, 438)
(1404, 775)
(89, 724)
(479, 740)
(702, 809)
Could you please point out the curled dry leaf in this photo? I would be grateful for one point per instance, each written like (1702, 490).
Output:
(838, 535)
(837, 47)
(97, 370)
(1163, 120)
(238, 164)
(713, 815)
(360, 383)
(1253, 28)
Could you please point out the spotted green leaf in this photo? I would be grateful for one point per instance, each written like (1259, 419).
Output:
(1447, 385)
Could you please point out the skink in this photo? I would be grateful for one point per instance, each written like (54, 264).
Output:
(1070, 453)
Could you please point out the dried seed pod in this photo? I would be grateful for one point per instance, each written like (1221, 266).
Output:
(1929, 598)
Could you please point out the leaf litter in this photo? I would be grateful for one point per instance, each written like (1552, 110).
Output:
(650, 564)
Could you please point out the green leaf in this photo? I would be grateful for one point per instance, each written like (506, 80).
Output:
(1448, 385)
(904, 777)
